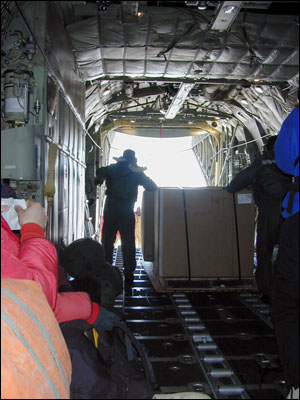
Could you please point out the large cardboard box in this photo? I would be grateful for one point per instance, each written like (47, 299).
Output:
(220, 233)
(170, 239)
(201, 233)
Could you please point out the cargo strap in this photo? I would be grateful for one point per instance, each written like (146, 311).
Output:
(49, 189)
(294, 190)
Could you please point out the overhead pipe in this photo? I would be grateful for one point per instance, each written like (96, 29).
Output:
(137, 93)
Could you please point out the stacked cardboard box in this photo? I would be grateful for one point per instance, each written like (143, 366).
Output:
(199, 233)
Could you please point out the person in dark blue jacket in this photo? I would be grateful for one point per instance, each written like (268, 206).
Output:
(122, 181)
(285, 290)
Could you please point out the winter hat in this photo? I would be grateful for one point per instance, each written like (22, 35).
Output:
(128, 155)
(83, 258)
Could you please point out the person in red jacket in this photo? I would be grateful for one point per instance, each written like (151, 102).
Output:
(33, 257)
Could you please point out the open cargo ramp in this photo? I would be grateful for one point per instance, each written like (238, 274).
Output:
(216, 342)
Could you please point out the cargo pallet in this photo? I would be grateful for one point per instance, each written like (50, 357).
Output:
(197, 284)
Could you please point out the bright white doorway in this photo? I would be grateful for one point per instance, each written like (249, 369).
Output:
(170, 162)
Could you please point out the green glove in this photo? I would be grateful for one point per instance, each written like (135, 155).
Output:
(105, 319)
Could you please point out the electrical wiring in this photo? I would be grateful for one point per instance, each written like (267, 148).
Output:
(254, 56)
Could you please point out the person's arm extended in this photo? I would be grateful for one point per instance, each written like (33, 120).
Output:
(37, 254)
(73, 305)
(146, 182)
(243, 179)
(39, 258)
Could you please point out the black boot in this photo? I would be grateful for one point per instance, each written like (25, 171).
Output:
(128, 280)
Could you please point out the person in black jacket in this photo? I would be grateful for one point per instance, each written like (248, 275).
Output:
(122, 181)
(269, 186)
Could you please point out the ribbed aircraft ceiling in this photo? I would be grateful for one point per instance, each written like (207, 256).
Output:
(147, 59)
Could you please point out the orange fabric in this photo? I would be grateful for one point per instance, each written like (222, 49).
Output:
(21, 376)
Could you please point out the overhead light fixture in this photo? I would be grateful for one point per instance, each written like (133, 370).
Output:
(129, 12)
(259, 89)
(244, 101)
(257, 80)
(226, 14)
(202, 5)
(191, 3)
(103, 6)
(179, 99)
(229, 9)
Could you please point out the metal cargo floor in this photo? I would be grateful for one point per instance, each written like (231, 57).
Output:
(218, 343)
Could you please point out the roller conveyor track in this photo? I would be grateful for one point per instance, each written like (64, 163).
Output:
(218, 343)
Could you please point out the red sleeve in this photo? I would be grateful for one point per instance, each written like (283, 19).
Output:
(72, 305)
(62, 280)
(39, 259)
(35, 259)
(30, 230)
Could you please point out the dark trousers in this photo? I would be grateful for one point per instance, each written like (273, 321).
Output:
(285, 299)
(119, 216)
(268, 226)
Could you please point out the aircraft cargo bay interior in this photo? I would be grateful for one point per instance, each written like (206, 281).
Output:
(185, 101)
